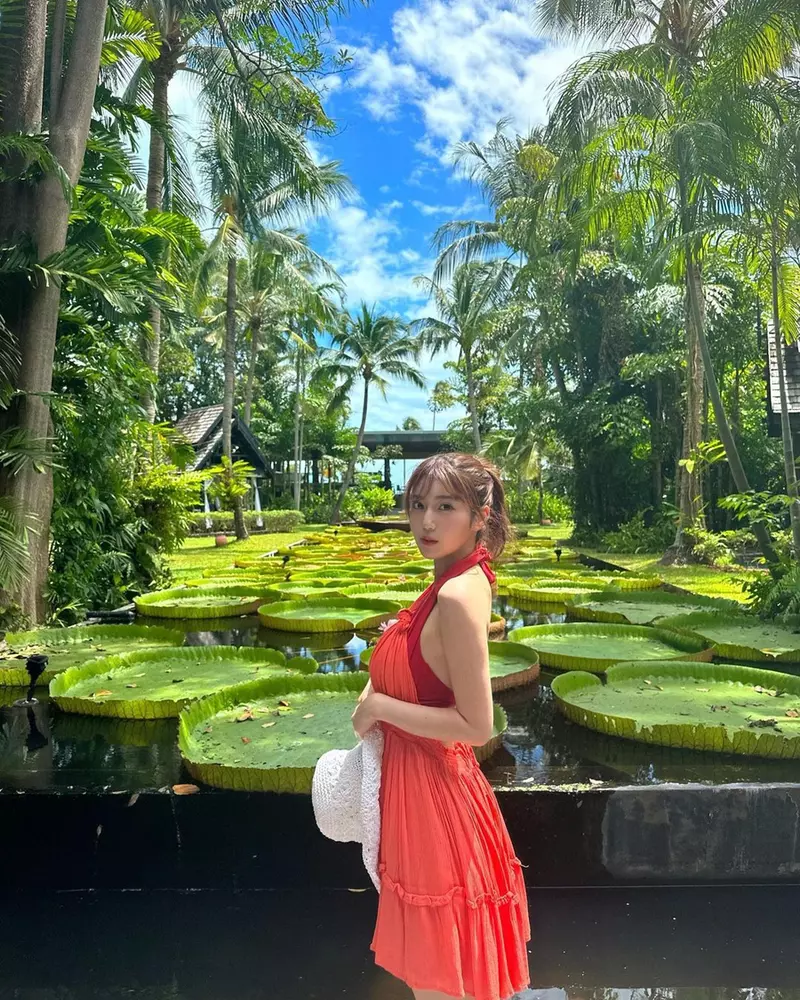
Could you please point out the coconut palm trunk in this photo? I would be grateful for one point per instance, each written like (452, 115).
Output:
(229, 389)
(337, 508)
(164, 70)
(473, 408)
(721, 417)
(789, 467)
(36, 320)
(297, 428)
(255, 330)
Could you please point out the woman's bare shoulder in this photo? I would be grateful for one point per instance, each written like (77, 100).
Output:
(471, 585)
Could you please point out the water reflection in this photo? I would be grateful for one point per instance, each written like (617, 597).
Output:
(539, 747)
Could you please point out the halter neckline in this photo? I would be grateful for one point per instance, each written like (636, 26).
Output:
(480, 554)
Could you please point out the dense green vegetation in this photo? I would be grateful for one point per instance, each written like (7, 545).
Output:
(611, 318)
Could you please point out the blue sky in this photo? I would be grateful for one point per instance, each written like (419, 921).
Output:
(425, 75)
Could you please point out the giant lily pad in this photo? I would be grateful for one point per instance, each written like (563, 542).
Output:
(289, 727)
(327, 614)
(556, 592)
(66, 647)
(640, 608)
(156, 684)
(595, 647)
(741, 636)
(721, 707)
(204, 602)
(511, 664)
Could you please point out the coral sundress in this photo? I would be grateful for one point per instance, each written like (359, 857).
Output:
(452, 912)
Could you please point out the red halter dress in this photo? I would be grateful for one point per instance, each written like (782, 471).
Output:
(452, 912)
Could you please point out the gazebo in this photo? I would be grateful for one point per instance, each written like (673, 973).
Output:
(202, 428)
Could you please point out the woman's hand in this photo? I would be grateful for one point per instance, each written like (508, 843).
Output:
(366, 714)
(384, 625)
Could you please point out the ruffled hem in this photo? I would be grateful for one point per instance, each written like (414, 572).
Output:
(422, 899)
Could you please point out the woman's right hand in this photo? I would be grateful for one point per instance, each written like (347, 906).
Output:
(384, 625)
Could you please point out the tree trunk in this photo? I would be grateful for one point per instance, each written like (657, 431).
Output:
(163, 71)
(296, 450)
(336, 512)
(255, 330)
(723, 427)
(690, 496)
(789, 468)
(228, 396)
(473, 409)
(302, 415)
(37, 319)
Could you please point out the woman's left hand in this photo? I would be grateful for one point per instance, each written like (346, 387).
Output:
(366, 714)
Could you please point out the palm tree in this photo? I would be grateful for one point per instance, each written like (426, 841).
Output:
(441, 398)
(655, 127)
(208, 40)
(370, 346)
(465, 311)
(258, 170)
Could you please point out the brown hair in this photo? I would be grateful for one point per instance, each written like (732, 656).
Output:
(476, 481)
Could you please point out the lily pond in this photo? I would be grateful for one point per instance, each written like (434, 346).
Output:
(245, 673)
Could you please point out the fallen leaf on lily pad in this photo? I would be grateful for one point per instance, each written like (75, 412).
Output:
(185, 789)
(266, 725)
(246, 716)
(284, 704)
(309, 716)
(99, 694)
(245, 739)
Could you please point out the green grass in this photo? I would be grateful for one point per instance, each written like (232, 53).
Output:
(699, 579)
(200, 553)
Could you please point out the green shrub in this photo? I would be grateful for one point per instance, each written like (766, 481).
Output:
(377, 500)
(637, 535)
(222, 521)
(523, 508)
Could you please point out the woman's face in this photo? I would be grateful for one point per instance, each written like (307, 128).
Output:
(441, 523)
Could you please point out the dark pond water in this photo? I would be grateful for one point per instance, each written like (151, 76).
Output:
(42, 747)
(615, 944)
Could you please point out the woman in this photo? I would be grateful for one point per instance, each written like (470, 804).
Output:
(452, 913)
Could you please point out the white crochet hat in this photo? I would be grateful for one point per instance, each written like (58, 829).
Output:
(345, 795)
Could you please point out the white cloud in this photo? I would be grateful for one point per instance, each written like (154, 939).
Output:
(363, 247)
(464, 64)
(467, 207)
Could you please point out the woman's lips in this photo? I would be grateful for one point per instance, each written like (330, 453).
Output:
(428, 541)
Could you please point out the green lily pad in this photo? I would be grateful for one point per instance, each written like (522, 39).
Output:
(741, 636)
(720, 707)
(327, 614)
(277, 749)
(640, 608)
(67, 647)
(594, 646)
(156, 684)
(204, 602)
(512, 664)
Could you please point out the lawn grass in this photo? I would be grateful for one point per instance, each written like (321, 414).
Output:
(699, 579)
(200, 552)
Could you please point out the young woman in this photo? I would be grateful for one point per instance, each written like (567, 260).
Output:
(452, 912)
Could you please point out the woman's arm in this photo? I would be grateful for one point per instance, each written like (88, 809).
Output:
(366, 692)
(462, 622)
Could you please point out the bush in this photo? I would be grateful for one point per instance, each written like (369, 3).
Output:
(637, 535)
(524, 507)
(377, 500)
(222, 521)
